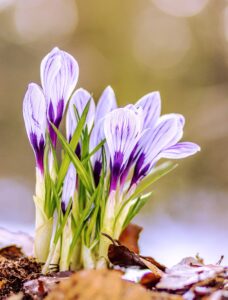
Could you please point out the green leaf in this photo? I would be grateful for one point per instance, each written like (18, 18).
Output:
(81, 171)
(53, 150)
(63, 223)
(48, 204)
(140, 202)
(155, 175)
(80, 225)
(73, 144)
(98, 147)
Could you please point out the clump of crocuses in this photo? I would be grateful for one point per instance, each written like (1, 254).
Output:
(109, 157)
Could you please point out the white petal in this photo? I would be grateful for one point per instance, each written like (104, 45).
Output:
(151, 105)
(79, 99)
(155, 140)
(106, 103)
(180, 126)
(34, 111)
(180, 150)
(96, 137)
(59, 75)
(69, 185)
(122, 130)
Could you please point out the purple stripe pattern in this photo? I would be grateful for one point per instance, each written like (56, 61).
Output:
(34, 112)
(122, 129)
(59, 75)
(106, 104)
(137, 137)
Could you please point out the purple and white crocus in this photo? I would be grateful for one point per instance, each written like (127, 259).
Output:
(139, 140)
(161, 138)
(106, 104)
(34, 112)
(137, 137)
(59, 75)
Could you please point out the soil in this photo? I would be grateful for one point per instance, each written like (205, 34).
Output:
(15, 269)
(191, 279)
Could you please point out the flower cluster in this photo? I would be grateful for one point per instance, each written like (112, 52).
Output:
(109, 157)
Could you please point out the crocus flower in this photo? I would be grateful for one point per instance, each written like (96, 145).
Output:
(122, 129)
(106, 104)
(69, 186)
(34, 112)
(97, 136)
(59, 75)
(79, 100)
(162, 142)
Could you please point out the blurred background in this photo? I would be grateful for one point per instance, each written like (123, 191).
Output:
(178, 47)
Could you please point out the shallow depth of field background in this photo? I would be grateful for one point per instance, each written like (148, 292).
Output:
(178, 47)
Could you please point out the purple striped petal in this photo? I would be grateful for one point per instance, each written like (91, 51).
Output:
(141, 169)
(59, 75)
(180, 126)
(151, 105)
(79, 99)
(106, 103)
(122, 129)
(127, 167)
(151, 144)
(34, 112)
(69, 187)
(155, 140)
(116, 169)
(180, 150)
(55, 119)
(96, 137)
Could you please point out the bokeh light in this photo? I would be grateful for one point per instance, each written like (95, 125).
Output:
(160, 40)
(181, 8)
(42, 19)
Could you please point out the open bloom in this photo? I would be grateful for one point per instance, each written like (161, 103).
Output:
(59, 75)
(156, 137)
(34, 112)
(162, 141)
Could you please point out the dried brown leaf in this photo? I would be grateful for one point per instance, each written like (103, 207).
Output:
(123, 257)
(130, 236)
